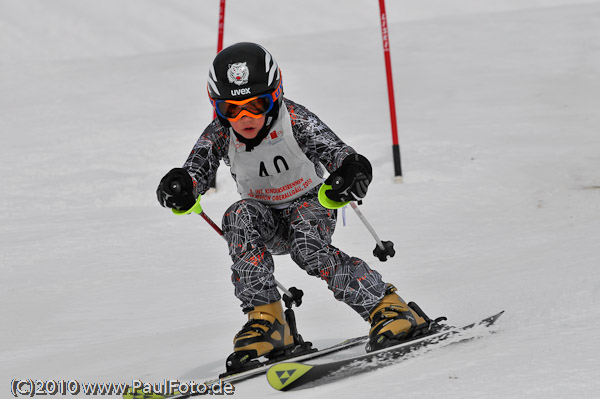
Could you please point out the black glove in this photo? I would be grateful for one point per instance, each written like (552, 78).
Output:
(176, 190)
(351, 180)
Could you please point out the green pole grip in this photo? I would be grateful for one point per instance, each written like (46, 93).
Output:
(197, 208)
(328, 202)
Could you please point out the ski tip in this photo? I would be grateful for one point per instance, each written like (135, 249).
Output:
(497, 315)
(492, 319)
(283, 375)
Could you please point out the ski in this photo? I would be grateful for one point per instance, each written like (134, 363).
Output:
(244, 375)
(290, 375)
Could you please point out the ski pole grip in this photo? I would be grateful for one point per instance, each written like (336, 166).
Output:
(176, 187)
(328, 203)
(196, 208)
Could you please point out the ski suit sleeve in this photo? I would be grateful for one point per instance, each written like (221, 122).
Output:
(204, 160)
(317, 140)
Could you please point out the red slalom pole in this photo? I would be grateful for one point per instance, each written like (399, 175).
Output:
(213, 182)
(220, 36)
(221, 25)
(388, 68)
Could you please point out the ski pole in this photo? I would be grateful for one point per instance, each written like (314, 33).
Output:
(220, 232)
(367, 224)
(295, 297)
(383, 249)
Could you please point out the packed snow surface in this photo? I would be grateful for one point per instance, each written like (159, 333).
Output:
(497, 106)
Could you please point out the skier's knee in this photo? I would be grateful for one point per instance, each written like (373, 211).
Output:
(308, 258)
(236, 211)
(247, 217)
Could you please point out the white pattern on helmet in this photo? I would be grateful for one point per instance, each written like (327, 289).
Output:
(267, 59)
(212, 79)
(270, 67)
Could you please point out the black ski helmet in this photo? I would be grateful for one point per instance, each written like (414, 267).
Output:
(244, 70)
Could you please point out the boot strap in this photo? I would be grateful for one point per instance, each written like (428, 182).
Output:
(250, 326)
(390, 312)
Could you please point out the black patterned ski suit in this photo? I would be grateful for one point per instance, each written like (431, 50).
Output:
(256, 231)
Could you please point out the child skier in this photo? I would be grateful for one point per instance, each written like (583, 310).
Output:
(276, 150)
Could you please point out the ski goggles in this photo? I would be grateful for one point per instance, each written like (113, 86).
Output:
(254, 107)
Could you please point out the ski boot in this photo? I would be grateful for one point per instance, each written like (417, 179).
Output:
(266, 333)
(393, 321)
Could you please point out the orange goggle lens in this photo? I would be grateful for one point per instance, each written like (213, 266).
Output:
(254, 107)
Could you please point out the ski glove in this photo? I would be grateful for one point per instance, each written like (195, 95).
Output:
(176, 190)
(351, 180)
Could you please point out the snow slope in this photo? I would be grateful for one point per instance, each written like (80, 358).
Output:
(500, 209)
